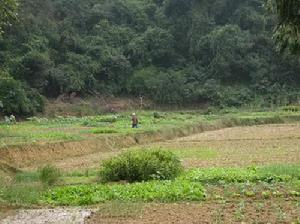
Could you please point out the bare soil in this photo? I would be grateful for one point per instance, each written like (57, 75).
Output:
(266, 211)
(242, 146)
(238, 146)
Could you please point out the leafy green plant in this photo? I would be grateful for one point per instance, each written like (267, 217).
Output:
(49, 175)
(237, 175)
(159, 191)
(141, 165)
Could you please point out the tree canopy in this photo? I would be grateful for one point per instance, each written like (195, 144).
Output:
(287, 31)
(217, 52)
(8, 12)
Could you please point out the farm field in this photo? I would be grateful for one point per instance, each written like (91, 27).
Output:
(265, 146)
(243, 174)
(63, 129)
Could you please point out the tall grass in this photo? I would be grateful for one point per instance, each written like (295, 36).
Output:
(279, 169)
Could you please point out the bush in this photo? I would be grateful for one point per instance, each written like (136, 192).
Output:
(49, 175)
(18, 99)
(137, 166)
(158, 115)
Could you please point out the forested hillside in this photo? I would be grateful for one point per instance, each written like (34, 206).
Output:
(219, 52)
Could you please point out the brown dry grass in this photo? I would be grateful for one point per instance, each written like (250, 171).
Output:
(238, 146)
(243, 146)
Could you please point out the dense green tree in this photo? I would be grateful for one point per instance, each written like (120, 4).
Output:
(287, 31)
(8, 12)
(18, 99)
(217, 52)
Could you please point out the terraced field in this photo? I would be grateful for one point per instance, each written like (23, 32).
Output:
(244, 174)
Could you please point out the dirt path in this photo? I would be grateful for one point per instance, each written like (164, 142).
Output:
(49, 216)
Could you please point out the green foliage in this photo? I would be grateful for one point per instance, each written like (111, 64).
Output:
(173, 52)
(136, 166)
(287, 29)
(49, 175)
(282, 170)
(21, 194)
(157, 115)
(292, 108)
(104, 131)
(157, 191)
(241, 175)
(17, 98)
(8, 12)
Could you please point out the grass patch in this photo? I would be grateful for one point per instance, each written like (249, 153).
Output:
(104, 131)
(26, 177)
(196, 153)
(49, 175)
(78, 128)
(282, 170)
(242, 175)
(154, 191)
(21, 193)
(186, 153)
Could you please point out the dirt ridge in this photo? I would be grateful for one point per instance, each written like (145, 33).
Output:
(40, 153)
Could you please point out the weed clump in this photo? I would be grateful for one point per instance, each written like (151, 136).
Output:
(104, 131)
(137, 166)
(158, 115)
(49, 175)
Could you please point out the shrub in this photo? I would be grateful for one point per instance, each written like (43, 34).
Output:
(136, 166)
(49, 175)
(18, 99)
(157, 115)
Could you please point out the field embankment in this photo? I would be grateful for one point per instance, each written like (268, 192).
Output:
(104, 136)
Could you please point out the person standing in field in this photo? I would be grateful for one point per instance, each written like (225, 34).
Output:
(134, 120)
